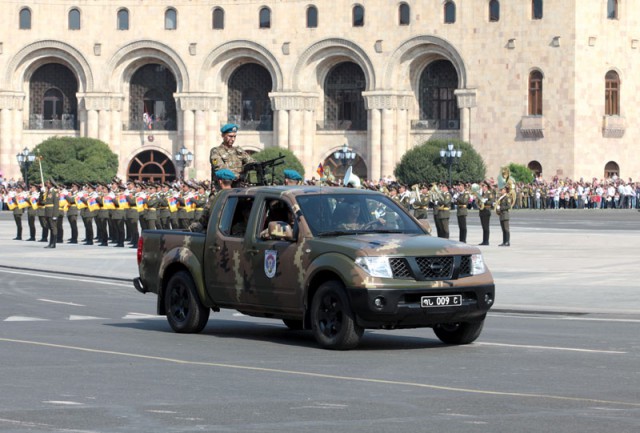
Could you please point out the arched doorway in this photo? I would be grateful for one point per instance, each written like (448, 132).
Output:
(535, 167)
(338, 169)
(151, 166)
(611, 170)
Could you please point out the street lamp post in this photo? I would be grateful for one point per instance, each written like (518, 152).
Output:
(344, 155)
(449, 157)
(25, 159)
(184, 158)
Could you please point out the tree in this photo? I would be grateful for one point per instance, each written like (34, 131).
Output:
(520, 173)
(290, 162)
(423, 164)
(70, 159)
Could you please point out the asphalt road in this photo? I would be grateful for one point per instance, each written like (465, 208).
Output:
(85, 355)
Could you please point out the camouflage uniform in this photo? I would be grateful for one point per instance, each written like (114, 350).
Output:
(232, 158)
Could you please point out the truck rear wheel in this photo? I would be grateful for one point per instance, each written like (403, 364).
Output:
(185, 312)
(332, 320)
(458, 333)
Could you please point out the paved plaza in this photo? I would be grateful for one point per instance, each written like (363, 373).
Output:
(563, 261)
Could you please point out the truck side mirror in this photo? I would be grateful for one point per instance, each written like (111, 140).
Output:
(281, 231)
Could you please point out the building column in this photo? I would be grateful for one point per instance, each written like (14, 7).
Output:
(198, 115)
(11, 126)
(97, 106)
(104, 126)
(310, 157)
(466, 99)
(294, 120)
(374, 148)
(388, 147)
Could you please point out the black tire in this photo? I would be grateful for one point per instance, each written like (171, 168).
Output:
(294, 325)
(332, 320)
(458, 333)
(185, 312)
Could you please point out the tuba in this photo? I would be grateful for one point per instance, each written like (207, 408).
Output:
(351, 179)
(477, 191)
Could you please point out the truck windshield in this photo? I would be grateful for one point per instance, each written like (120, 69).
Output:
(346, 214)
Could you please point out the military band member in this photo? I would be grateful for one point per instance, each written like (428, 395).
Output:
(226, 155)
(40, 213)
(152, 201)
(32, 211)
(201, 201)
(72, 212)
(443, 211)
(51, 209)
(14, 196)
(485, 204)
(185, 211)
(102, 219)
(503, 205)
(421, 204)
(63, 205)
(132, 215)
(164, 214)
(118, 213)
(462, 201)
(225, 179)
(90, 199)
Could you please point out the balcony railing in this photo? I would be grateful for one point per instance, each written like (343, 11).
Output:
(67, 122)
(340, 125)
(156, 125)
(433, 124)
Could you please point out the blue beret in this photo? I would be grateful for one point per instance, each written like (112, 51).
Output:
(229, 127)
(225, 174)
(292, 174)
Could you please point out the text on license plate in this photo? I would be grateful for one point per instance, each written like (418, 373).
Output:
(441, 301)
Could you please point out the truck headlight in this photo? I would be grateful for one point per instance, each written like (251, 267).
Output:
(477, 264)
(375, 266)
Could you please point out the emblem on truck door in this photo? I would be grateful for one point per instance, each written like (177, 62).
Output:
(270, 260)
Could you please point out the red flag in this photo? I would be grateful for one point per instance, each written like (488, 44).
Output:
(320, 170)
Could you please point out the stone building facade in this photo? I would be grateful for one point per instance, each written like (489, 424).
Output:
(545, 83)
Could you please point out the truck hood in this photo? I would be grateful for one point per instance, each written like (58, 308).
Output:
(393, 244)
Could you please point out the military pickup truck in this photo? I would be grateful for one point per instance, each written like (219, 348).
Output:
(332, 260)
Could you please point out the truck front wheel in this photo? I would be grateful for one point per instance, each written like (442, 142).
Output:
(185, 312)
(458, 333)
(332, 320)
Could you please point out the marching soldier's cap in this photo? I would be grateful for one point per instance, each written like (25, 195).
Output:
(225, 174)
(292, 174)
(486, 182)
(167, 184)
(76, 184)
(229, 127)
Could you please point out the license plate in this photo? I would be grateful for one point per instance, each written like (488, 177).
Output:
(441, 301)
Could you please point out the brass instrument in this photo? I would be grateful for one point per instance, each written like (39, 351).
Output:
(416, 189)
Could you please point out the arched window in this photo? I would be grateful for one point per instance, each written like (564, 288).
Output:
(312, 17)
(344, 103)
(74, 19)
(25, 19)
(449, 12)
(123, 19)
(218, 18)
(494, 11)
(612, 9)
(535, 93)
(170, 19)
(438, 104)
(265, 18)
(151, 101)
(536, 9)
(249, 104)
(612, 94)
(52, 102)
(404, 14)
(357, 17)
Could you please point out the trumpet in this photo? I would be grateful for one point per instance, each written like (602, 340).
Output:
(416, 189)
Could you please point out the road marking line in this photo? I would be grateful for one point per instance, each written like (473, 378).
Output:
(325, 376)
(141, 316)
(569, 349)
(61, 302)
(67, 403)
(76, 279)
(558, 316)
(24, 319)
(74, 317)
(31, 424)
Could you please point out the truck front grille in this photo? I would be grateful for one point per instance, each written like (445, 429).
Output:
(430, 267)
